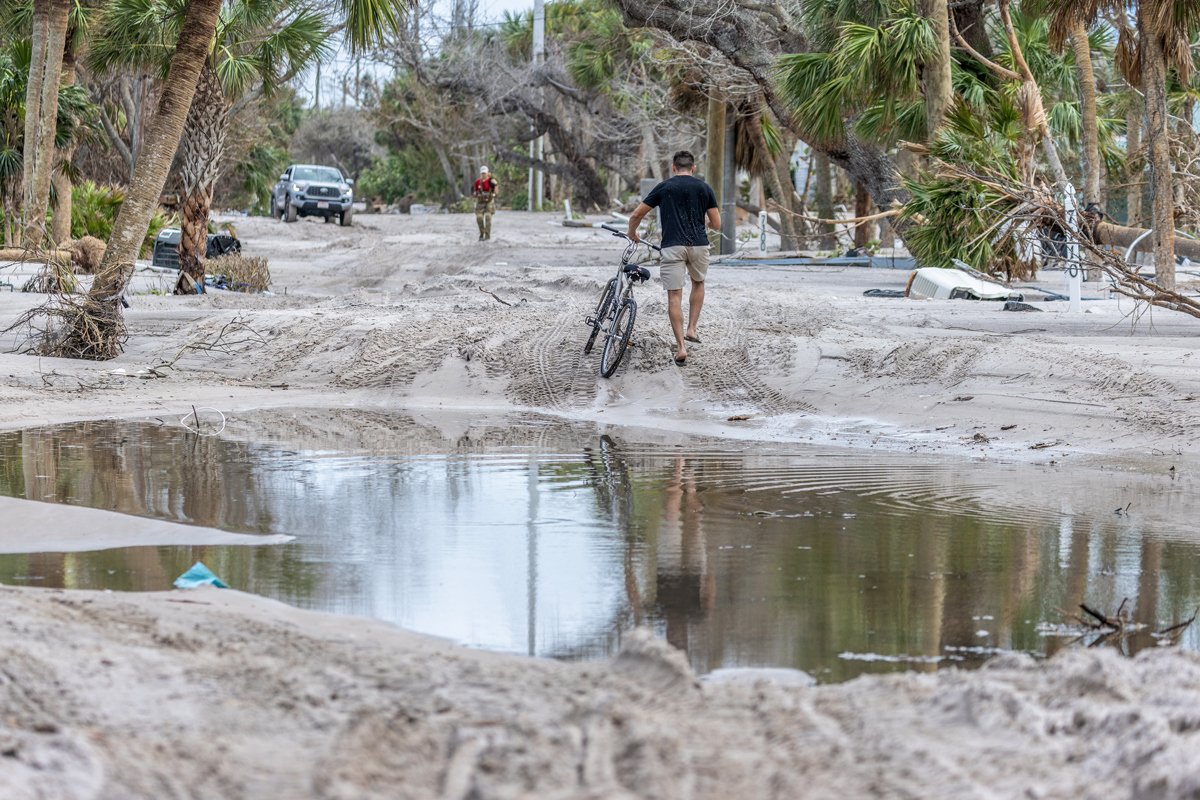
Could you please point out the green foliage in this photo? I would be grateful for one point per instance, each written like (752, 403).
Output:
(870, 73)
(412, 171)
(256, 174)
(955, 219)
(257, 42)
(94, 211)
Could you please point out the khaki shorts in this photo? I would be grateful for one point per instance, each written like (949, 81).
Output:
(678, 258)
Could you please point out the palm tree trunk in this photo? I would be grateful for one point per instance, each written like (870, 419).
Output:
(61, 230)
(153, 164)
(779, 180)
(1162, 197)
(935, 73)
(823, 197)
(33, 95)
(203, 149)
(862, 207)
(37, 191)
(1133, 158)
(1090, 117)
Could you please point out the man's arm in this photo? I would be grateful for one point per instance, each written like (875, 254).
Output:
(714, 219)
(635, 219)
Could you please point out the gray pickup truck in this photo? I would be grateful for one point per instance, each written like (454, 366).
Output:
(308, 190)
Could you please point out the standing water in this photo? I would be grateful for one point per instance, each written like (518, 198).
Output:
(553, 539)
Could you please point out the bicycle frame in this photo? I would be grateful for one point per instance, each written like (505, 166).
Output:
(617, 303)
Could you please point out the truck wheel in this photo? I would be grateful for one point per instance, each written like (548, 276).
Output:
(347, 217)
(274, 209)
(290, 213)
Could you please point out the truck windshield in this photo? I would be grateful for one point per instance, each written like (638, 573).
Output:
(321, 174)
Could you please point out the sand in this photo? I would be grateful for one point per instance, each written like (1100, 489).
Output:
(220, 694)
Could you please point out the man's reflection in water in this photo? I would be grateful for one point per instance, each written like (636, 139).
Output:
(684, 587)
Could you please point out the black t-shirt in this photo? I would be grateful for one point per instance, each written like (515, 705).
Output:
(684, 201)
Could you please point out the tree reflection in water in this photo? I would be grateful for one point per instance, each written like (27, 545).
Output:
(546, 537)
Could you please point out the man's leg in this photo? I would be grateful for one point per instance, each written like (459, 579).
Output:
(479, 222)
(487, 224)
(695, 303)
(675, 314)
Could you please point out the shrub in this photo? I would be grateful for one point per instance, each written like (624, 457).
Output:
(94, 210)
(241, 273)
(87, 253)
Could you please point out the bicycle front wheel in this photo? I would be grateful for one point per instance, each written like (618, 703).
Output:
(603, 310)
(618, 338)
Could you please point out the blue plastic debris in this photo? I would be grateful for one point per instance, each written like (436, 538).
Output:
(199, 575)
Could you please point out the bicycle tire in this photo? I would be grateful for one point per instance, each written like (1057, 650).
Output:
(618, 338)
(602, 312)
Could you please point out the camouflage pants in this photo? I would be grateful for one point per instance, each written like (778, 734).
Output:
(484, 209)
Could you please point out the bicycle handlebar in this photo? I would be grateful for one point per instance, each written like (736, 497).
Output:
(624, 235)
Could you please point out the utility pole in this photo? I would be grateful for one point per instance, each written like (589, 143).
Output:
(537, 147)
(317, 98)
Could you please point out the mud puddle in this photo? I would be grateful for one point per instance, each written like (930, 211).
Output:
(541, 537)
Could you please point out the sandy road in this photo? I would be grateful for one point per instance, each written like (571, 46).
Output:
(390, 312)
(221, 694)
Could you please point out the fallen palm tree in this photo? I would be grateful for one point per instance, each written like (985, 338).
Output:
(1018, 228)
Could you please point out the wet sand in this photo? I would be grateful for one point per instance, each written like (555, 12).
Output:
(228, 695)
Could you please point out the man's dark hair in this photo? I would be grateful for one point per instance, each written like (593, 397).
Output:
(683, 160)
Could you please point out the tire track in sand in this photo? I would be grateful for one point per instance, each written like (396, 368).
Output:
(729, 368)
(549, 368)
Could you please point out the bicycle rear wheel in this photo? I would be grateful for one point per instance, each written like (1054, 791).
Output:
(603, 310)
(618, 338)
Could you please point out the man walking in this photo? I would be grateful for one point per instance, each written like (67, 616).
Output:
(686, 203)
(485, 202)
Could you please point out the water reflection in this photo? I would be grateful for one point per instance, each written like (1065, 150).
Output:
(545, 538)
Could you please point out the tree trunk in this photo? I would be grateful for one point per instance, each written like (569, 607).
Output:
(780, 182)
(1133, 156)
(935, 73)
(451, 179)
(969, 19)
(200, 166)
(1121, 237)
(33, 96)
(862, 208)
(153, 165)
(753, 42)
(1090, 118)
(38, 194)
(61, 231)
(714, 159)
(823, 197)
(1162, 198)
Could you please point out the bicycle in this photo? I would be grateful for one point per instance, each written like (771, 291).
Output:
(617, 310)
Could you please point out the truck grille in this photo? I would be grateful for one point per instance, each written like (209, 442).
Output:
(166, 254)
(322, 191)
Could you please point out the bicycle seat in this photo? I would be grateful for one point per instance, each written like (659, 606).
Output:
(637, 273)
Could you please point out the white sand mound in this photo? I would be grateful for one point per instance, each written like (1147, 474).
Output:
(31, 527)
(218, 694)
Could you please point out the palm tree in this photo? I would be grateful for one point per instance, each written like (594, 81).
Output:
(1164, 27)
(936, 79)
(1163, 30)
(50, 20)
(258, 45)
(74, 113)
(77, 36)
(1069, 21)
(97, 330)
